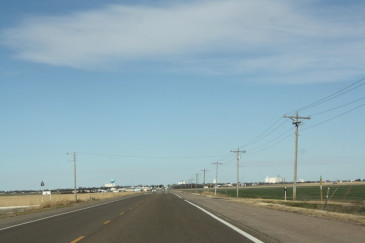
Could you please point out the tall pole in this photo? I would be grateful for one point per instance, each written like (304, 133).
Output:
(196, 180)
(75, 177)
(216, 177)
(295, 163)
(296, 122)
(238, 166)
(74, 158)
(204, 176)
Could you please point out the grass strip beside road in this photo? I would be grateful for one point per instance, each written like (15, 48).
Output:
(56, 215)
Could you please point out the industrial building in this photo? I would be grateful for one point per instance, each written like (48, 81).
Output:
(277, 179)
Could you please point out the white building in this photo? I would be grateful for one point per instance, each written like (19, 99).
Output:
(111, 184)
(181, 183)
(277, 179)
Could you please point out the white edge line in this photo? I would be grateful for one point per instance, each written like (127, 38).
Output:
(32, 221)
(177, 195)
(248, 236)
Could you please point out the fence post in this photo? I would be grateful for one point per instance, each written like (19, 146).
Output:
(285, 191)
(325, 205)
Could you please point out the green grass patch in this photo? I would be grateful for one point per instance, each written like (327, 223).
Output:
(337, 193)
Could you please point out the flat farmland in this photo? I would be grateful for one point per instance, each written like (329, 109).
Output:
(38, 200)
(344, 192)
(348, 198)
(12, 205)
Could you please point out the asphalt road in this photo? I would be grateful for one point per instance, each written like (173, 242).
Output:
(168, 217)
(280, 226)
(157, 217)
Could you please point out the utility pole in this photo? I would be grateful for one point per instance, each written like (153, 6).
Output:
(296, 121)
(204, 176)
(238, 165)
(191, 183)
(75, 193)
(196, 180)
(216, 176)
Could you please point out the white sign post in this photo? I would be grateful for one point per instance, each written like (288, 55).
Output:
(42, 185)
(47, 193)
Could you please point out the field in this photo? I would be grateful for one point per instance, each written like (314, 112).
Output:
(346, 192)
(11, 205)
(337, 192)
(342, 198)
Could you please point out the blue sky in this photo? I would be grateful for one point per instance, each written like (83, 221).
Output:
(154, 92)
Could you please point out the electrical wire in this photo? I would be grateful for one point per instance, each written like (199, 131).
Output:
(151, 157)
(338, 93)
(273, 142)
(264, 134)
(335, 117)
(338, 107)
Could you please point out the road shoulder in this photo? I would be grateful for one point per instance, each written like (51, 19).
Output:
(277, 225)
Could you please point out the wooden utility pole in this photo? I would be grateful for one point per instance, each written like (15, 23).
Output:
(75, 192)
(296, 122)
(238, 152)
(216, 176)
(204, 176)
(320, 188)
(196, 180)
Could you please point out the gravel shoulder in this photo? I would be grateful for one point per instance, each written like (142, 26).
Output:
(279, 225)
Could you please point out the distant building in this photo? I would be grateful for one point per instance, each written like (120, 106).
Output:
(181, 183)
(277, 179)
(110, 185)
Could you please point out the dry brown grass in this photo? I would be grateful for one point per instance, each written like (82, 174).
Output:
(38, 202)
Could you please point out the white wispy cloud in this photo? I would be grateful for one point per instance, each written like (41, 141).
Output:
(272, 40)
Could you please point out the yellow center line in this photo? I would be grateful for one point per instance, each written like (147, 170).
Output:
(130, 208)
(107, 222)
(78, 239)
(121, 213)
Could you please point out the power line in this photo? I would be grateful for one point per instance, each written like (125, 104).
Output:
(274, 141)
(336, 94)
(272, 128)
(333, 118)
(153, 157)
(264, 134)
(270, 146)
(337, 107)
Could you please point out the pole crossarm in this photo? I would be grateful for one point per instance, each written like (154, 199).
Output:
(296, 119)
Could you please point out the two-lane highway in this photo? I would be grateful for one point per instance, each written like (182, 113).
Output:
(156, 217)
